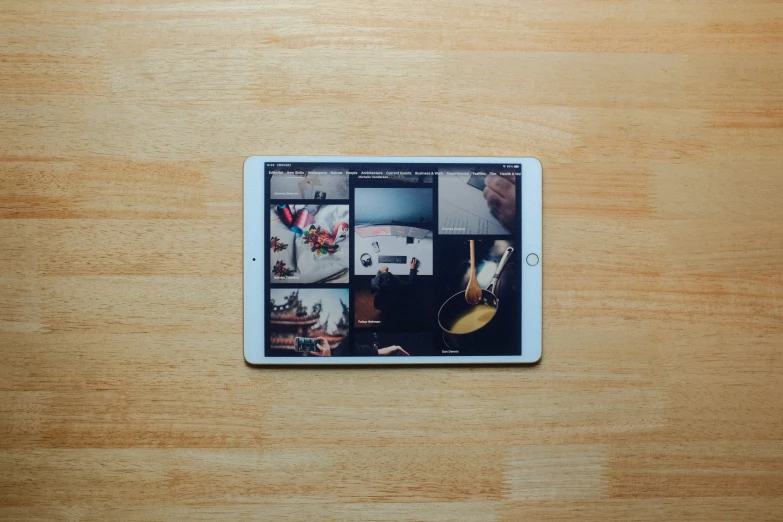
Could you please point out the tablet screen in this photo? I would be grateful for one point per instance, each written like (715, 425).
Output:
(374, 259)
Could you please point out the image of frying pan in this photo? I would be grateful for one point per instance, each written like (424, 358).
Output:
(456, 305)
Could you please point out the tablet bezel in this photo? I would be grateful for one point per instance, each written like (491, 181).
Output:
(255, 271)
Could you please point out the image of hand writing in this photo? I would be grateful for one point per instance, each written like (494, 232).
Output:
(501, 195)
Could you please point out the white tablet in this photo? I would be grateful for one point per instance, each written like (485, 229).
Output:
(367, 260)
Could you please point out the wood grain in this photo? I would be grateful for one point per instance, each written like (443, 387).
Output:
(123, 127)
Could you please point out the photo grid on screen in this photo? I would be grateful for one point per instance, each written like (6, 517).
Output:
(372, 260)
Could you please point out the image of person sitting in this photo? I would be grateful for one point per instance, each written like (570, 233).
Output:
(392, 294)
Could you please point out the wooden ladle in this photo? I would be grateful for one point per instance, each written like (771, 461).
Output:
(473, 293)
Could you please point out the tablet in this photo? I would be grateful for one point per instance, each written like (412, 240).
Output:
(392, 260)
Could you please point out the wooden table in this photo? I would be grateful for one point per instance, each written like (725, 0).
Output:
(123, 127)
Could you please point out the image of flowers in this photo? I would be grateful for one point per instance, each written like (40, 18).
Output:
(281, 270)
(319, 240)
(276, 245)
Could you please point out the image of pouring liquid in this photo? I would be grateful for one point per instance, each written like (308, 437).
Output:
(468, 326)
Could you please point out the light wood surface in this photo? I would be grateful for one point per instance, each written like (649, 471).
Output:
(123, 127)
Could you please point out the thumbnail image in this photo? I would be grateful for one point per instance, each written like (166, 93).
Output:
(389, 301)
(309, 182)
(488, 327)
(308, 243)
(393, 226)
(393, 343)
(307, 321)
(471, 202)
